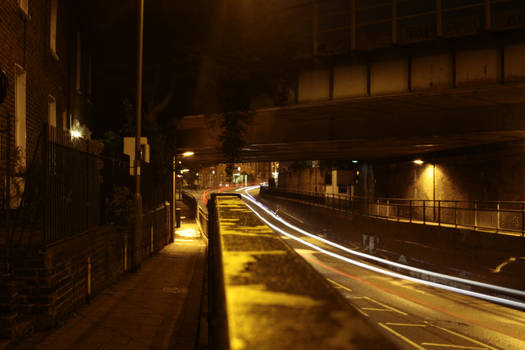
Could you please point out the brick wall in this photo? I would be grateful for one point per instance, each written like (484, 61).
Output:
(52, 283)
(25, 41)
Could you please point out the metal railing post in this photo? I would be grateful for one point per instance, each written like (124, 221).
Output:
(424, 212)
(455, 213)
(387, 208)
(522, 219)
(377, 208)
(498, 217)
(475, 215)
(410, 210)
(439, 212)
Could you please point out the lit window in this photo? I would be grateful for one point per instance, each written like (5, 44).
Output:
(52, 111)
(79, 61)
(53, 28)
(24, 6)
(20, 111)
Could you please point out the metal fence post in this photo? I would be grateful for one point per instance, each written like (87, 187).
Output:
(498, 218)
(475, 215)
(522, 219)
(410, 210)
(424, 212)
(439, 212)
(45, 168)
(387, 208)
(456, 213)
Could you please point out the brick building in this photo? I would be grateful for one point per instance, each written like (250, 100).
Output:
(58, 244)
(49, 65)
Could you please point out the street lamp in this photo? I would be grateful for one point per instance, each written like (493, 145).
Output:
(137, 241)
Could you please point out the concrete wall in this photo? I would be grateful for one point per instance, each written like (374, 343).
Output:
(314, 85)
(482, 176)
(470, 63)
(306, 180)
(486, 178)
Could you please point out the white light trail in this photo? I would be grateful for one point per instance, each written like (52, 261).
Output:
(394, 274)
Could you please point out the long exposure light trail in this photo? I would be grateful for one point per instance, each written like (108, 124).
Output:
(383, 271)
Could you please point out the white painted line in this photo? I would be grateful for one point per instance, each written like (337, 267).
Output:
(390, 273)
(391, 263)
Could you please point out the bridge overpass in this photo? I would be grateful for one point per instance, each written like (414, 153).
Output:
(395, 93)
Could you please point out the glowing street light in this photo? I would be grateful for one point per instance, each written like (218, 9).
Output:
(188, 154)
(76, 134)
(417, 161)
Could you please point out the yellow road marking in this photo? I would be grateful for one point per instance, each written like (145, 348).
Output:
(374, 309)
(466, 338)
(454, 346)
(405, 324)
(401, 336)
(387, 306)
(339, 285)
(357, 297)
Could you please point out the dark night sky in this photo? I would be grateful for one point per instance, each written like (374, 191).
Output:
(199, 56)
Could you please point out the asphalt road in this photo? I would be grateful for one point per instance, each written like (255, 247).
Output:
(413, 315)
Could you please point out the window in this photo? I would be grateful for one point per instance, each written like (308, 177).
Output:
(53, 28)
(20, 112)
(24, 6)
(79, 61)
(52, 111)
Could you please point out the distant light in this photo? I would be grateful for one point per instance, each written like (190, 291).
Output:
(180, 162)
(355, 161)
(188, 154)
(185, 170)
(76, 134)
(239, 168)
(418, 161)
(357, 172)
(213, 172)
(197, 174)
(179, 175)
(187, 233)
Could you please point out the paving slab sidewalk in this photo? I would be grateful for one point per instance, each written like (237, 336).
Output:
(156, 308)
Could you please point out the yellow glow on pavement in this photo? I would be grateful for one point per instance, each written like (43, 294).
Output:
(187, 233)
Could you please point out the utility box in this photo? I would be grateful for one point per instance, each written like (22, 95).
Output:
(129, 149)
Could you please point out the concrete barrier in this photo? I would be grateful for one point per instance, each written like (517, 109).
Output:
(264, 295)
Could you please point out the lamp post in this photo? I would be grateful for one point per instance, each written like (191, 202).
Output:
(137, 241)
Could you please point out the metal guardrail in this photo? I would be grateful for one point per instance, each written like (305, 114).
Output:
(493, 216)
(202, 221)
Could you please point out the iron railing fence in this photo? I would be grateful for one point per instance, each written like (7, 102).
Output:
(156, 229)
(496, 216)
(64, 189)
(67, 188)
(71, 183)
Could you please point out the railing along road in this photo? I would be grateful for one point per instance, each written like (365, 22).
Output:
(493, 216)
